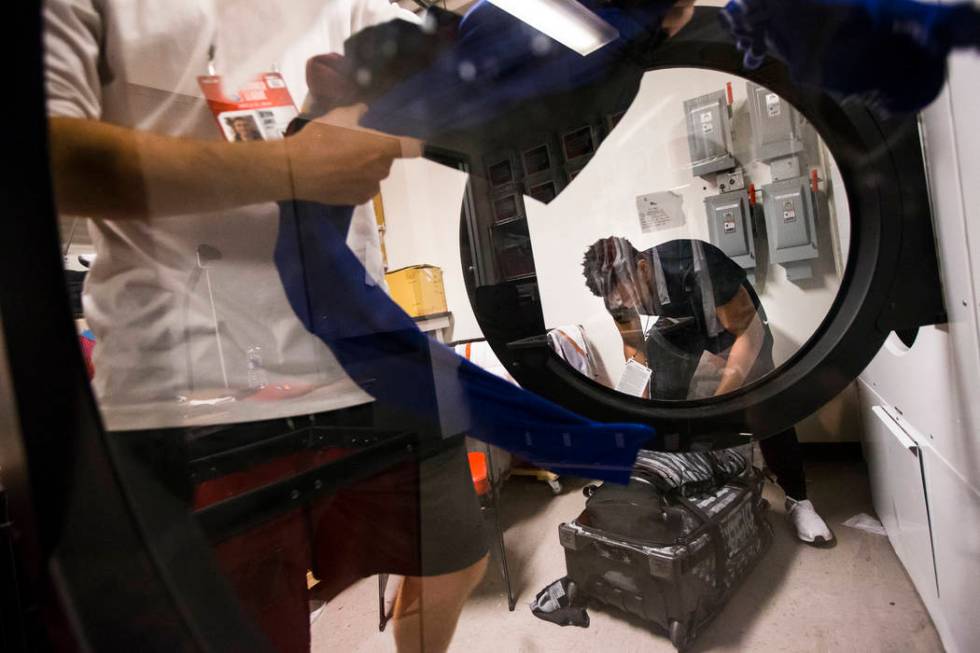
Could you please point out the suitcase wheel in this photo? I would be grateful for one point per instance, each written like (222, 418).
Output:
(680, 635)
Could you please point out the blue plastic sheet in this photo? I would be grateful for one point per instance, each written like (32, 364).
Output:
(494, 63)
(888, 53)
(423, 382)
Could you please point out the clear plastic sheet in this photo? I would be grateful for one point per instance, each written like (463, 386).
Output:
(273, 414)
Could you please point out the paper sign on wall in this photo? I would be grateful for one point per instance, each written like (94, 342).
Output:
(658, 211)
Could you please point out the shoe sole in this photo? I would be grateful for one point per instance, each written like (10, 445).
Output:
(821, 543)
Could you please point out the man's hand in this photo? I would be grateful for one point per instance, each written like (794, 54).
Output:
(333, 161)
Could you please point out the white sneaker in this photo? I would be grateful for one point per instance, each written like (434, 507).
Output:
(810, 527)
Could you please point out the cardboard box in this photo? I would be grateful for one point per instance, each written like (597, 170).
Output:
(418, 289)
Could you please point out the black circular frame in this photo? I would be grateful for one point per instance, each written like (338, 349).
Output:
(880, 161)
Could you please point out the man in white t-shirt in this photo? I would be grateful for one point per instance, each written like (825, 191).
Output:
(183, 287)
(192, 323)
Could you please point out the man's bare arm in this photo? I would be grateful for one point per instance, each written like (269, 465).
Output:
(740, 318)
(111, 172)
(115, 173)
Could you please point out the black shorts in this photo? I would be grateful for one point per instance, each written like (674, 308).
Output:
(416, 517)
(419, 517)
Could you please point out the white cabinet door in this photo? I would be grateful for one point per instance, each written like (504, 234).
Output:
(955, 516)
(899, 490)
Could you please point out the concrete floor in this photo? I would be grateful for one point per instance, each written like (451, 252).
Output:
(854, 597)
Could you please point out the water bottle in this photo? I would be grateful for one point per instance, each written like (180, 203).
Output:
(257, 378)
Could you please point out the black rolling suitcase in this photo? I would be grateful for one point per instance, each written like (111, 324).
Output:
(669, 547)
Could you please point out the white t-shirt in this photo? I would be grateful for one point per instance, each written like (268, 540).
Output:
(188, 311)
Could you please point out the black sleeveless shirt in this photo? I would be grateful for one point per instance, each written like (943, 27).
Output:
(688, 323)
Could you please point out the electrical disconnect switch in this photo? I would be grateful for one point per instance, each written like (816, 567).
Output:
(791, 212)
(709, 134)
(730, 226)
(777, 128)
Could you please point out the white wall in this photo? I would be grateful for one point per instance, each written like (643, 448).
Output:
(422, 202)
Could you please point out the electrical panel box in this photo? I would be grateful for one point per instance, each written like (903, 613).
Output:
(502, 169)
(580, 144)
(791, 214)
(540, 158)
(544, 186)
(777, 128)
(507, 203)
(730, 226)
(709, 134)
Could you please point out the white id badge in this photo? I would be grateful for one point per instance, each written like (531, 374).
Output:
(635, 379)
